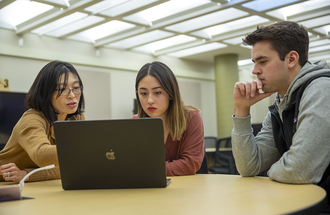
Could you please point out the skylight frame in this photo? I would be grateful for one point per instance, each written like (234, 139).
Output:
(119, 9)
(197, 50)
(166, 9)
(19, 12)
(262, 5)
(101, 31)
(140, 39)
(323, 29)
(207, 20)
(319, 21)
(284, 12)
(208, 33)
(151, 48)
(319, 48)
(234, 40)
(60, 23)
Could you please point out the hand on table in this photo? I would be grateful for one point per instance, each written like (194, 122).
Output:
(10, 172)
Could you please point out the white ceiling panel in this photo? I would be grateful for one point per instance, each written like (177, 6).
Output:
(298, 8)
(262, 5)
(140, 39)
(162, 44)
(197, 49)
(207, 20)
(230, 26)
(114, 8)
(103, 30)
(146, 17)
(21, 11)
(190, 29)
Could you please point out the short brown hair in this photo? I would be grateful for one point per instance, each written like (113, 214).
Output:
(284, 36)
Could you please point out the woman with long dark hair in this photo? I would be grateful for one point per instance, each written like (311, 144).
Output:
(55, 95)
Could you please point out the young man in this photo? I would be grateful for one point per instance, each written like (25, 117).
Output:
(295, 148)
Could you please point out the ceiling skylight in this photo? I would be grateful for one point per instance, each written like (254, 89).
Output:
(230, 26)
(59, 2)
(101, 31)
(114, 8)
(207, 20)
(262, 5)
(319, 48)
(74, 26)
(234, 41)
(316, 22)
(59, 23)
(153, 47)
(323, 30)
(198, 49)
(21, 11)
(303, 7)
(246, 46)
(244, 62)
(146, 17)
(140, 39)
(319, 43)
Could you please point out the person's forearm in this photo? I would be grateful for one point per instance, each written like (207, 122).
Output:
(241, 112)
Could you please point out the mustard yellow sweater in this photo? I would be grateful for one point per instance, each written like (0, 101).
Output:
(32, 145)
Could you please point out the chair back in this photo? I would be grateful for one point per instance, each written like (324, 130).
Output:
(209, 142)
(204, 167)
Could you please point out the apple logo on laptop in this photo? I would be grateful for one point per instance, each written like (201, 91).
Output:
(110, 155)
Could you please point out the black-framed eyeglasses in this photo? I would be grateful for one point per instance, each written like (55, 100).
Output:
(67, 91)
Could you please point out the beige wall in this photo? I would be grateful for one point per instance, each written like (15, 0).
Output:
(109, 79)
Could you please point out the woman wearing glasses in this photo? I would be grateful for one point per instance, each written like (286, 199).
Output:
(55, 95)
(158, 95)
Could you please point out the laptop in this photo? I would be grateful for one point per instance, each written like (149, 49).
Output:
(111, 154)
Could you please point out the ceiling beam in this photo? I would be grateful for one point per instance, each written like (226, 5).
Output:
(179, 47)
(53, 3)
(123, 34)
(48, 18)
(5, 3)
(119, 17)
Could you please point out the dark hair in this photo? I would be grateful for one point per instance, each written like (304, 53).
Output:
(284, 36)
(177, 113)
(40, 94)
